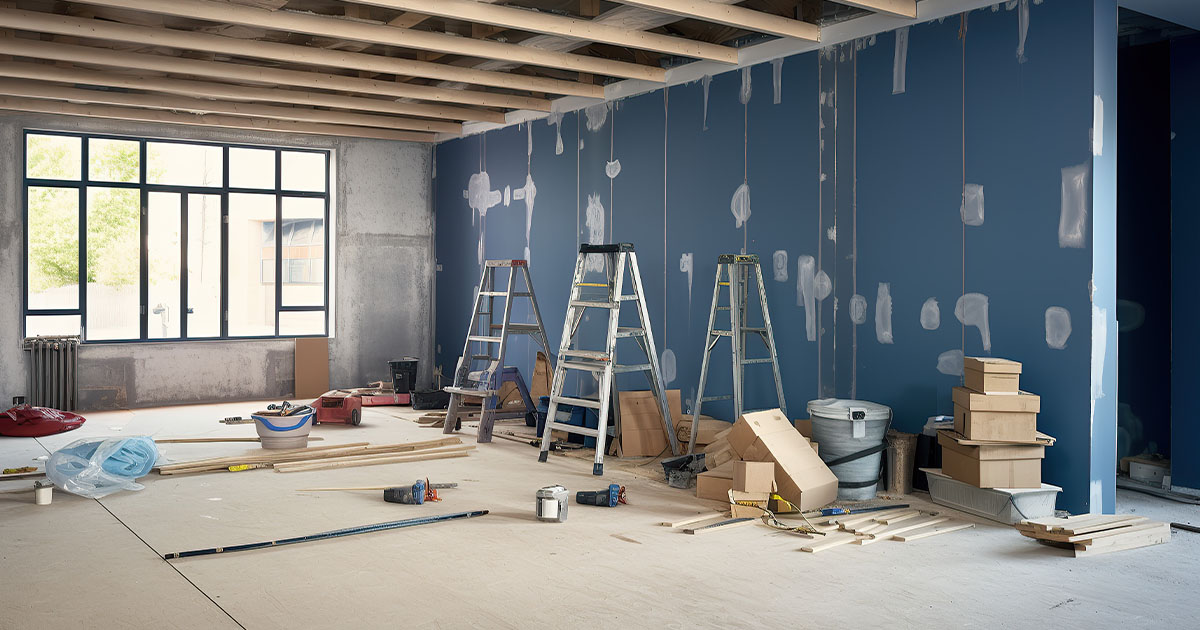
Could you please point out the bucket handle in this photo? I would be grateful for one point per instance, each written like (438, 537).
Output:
(267, 423)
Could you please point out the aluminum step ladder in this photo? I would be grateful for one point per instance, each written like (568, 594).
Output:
(602, 364)
(481, 371)
(737, 270)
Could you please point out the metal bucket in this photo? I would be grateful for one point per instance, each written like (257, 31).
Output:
(850, 433)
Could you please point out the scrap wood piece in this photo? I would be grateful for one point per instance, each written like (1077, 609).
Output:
(1093, 532)
(1099, 524)
(304, 454)
(877, 536)
(204, 440)
(903, 516)
(1156, 535)
(721, 526)
(398, 459)
(953, 526)
(831, 541)
(234, 459)
(852, 520)
(371, 456)
(695, 519)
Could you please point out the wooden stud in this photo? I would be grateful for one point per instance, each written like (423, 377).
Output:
(695, 519)
(398, 459)
(898, 8)
(830, 541)
(206, 440)
(732, 15)
(892, 531)
(371, 456)
(953, 527)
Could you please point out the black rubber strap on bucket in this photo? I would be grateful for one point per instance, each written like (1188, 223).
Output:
(878, 448)
(858, 484)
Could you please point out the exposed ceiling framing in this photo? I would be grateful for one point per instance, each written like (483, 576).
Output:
(392, 69)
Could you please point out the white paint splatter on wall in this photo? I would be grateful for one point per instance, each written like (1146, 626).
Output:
(900, 60)
(806, 270)
(883, 313)
(779, 264)
(686, 265)
(822, 285)
(950, 362)
(612, 169)
(777, 79)
(480, 195)
(1097, 125)
(528, 193)
(597, 115)
(831, 232)
(1073, 216)
(705, 81)
(971, 209)
(972, 310)
(1023, 30)
(1058, 327)
(739, 205)
(507, 196)
(669, 369)
(595, 227)
(931, 314)
(556, 120)
(858, 310)
(744, 92)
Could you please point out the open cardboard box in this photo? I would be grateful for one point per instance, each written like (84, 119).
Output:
(800, 475)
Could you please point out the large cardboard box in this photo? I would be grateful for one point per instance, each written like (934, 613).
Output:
(715, 484)
(642, 431)
(1003, 426)
(754, 476)
(991, 375)
(800, 475)
(992, 465)
(707, 434)
(1022, 402)
(643, 442)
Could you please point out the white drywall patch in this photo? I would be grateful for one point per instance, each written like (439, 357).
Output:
(777, 79)
(883, 313)
(668, 366)
(1073, 216)
(931, 314)
(705, 81)
(612, 169)
(831, 233)
(1097, 125)
(1023, 30)
(595, 227)
(900, 60)
(507, 196)
(597, 115)
(950, 362)
(529, 138)
(556, 120)
(739, 205)
(1099, 347)
(971, 209)
(686, 266)
(1058, 327)
(528, 193)
(858, 309)
(972, 310)
(779, 264)
(822, 285)
(480, 195)
(744, 93)
(806, 271)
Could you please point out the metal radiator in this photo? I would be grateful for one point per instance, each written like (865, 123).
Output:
(53, 372)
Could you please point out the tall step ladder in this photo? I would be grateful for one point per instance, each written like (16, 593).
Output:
(602, 364)
(736, 271)
(481, 371)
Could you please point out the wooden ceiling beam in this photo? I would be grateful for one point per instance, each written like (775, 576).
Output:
(552, 24)
(732, 15)
(379, 33)
(43, 106)
(286, 53)
(277, 76)
(898, 8)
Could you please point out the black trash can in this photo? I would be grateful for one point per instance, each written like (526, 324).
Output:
(404, 374)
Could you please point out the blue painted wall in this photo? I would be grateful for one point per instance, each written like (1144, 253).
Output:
(1185, 259)
(865, 181)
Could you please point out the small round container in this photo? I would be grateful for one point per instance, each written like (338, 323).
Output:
(43, 493)
(283, 431)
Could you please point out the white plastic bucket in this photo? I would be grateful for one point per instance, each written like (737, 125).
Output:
(844, 427)
(283, 431)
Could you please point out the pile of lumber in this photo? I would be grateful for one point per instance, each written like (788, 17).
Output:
(325, 457)
(1095, 534)
(900, 524)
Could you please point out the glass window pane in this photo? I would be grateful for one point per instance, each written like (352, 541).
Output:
(301, 323)
(163, 254)
(303, 251)
(53, 232)
(51, 325)
(251, 168)
(251, 265)
(113, 263)
(183, 164)
(53, 157)
(204, 266)
(113, 160)
(303, 171)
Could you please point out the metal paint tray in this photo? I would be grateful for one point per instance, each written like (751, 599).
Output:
(1005, 505)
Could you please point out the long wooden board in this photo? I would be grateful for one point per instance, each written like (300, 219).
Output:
(951, 527)
(900, 529)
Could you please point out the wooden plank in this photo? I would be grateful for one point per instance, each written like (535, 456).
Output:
(398, 459)
(731, 15)
(1099, 525)
(205, 440)
(1121, 543)
(950, 527)
(898, 8)
(695, 519)
(1109, 537)
(903, 516)
(829, 542)
(263, 454)
(720, 527)
(316, 452)
(287, 466)
(900, 529)
(852, 519)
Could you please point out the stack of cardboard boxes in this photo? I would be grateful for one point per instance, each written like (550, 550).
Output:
(995, 442)
(642, 433)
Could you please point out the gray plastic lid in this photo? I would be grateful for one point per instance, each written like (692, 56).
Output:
(841, 409)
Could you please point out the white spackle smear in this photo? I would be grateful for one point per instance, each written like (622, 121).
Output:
(1073, 216)
(779, 264)
(1099, 347)
(739, 205)
(831, 233)
(595, 227)
(529, 192)
(806, 270)
(744, 93)
(597, 115)
(612, 169)
(1097, 125)
(529, 138)
(668, 366)
(686, 266)
(931, 314)
(972, 310)
(822, 285)
(480, 195)
(900, 60)
(556, 120)
(883, 313)
(1058, 327)
(971, 209)
(777, 79)
(950, 362)
(858, 309)
(581, 144)
(507, 196)
(1023, 29)
(705, 81)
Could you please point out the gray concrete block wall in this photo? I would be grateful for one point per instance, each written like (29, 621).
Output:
(381, 292)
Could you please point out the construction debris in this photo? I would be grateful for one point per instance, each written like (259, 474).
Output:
(1095, 534)
(268, 459)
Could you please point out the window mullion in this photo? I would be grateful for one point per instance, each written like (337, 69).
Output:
(183, 266)
(278, 236)
(82, 238)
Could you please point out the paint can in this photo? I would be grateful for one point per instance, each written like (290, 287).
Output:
(551, 504)
(43, 492)
(850, 433)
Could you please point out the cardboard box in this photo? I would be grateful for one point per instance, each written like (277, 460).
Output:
(642, 430)
(643, 442)
(804, 426)
(707, 434)
(800, 475)
(1022, 402)
(993, 465)
(715, 484)
(1004, 426)
(748, 504)
(990, 375)
(754, 476)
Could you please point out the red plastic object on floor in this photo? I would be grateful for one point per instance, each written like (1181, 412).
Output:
(345, 406)
(30, 421)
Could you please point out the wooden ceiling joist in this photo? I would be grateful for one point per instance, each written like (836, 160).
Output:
(354, 30)
(42, 90)
(731, 15)
(898, 8)
(41, 106)
(222, 93)
(71, 53)
(551, 24)
(287, 53)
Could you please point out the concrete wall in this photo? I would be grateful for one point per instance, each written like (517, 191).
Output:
(382, 279)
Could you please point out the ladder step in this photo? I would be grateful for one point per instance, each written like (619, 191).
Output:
(578, 402)
(761, 331)
(586, 367)
(722, 308)
(628, 298)
(721, 333)
(625, 369)
(494, 293)
(592, 304)
(756, 361)
(478, 357)
(518, 329)
(586, 354)
(574, 428)
(629, 331)
(715, 398)
(483, 338)
(466, 391)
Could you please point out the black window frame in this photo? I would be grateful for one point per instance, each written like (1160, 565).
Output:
(145, 188)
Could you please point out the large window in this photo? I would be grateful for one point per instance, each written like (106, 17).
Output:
(133, 239)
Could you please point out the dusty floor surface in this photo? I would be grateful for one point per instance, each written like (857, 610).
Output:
(82, 563)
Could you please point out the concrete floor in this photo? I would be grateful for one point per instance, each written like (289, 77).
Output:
(85, 563)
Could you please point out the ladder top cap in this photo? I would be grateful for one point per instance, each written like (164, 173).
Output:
(736, 258)
(609, 248)
(504, 263)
